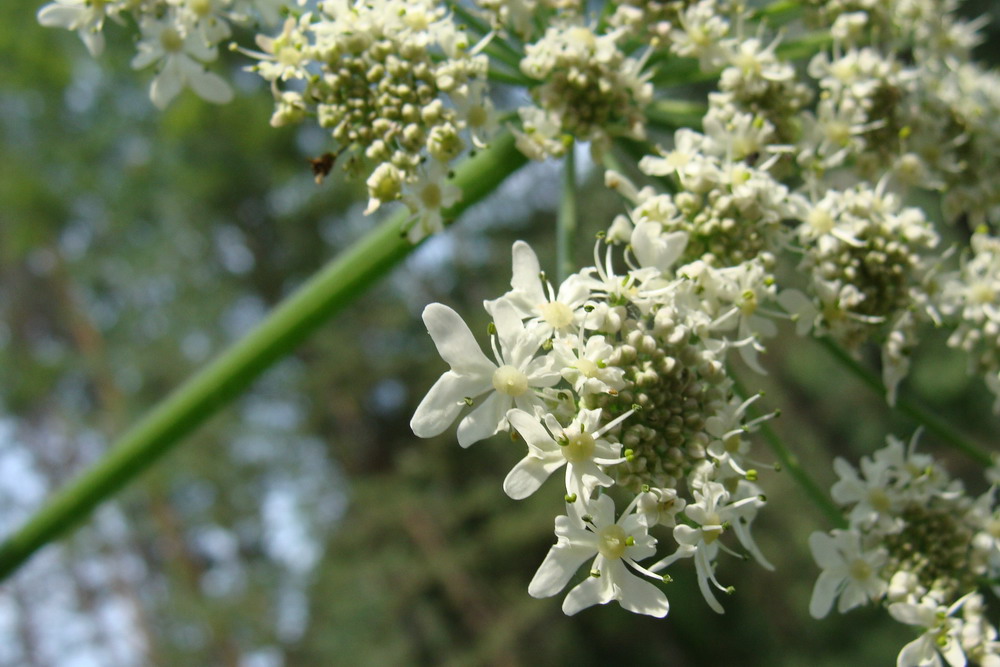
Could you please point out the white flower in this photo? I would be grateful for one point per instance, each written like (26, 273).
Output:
(712, 514)
(181, 59)
(942, 637)
(585, 365)
(615, 544)
(430, 194)
(534, 298)
(874, 496)
(472, 375)
(659, 507)
(579, 447)
(653, 248)
(848, 572)
(84, 16)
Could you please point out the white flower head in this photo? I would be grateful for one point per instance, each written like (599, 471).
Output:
(849, 572)
(941, 641)
(181, 56)
(509, 382)
(580, 447)
(617, 546)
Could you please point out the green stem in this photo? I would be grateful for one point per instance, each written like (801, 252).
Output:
(509, 78)
(683, 71)
(335, 286)
(498, 48)
(674, 114)
(790, 462)
(566, 225)
(917, 413)
(779, 12)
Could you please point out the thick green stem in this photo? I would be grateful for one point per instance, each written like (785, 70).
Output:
(922, 416)
(566, 225)
(342, 281)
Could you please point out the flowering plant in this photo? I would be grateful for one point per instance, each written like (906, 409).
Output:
(794, 193)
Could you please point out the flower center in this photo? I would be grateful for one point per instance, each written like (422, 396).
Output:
(580, 447)
(431, 196)
(820, 220)
(879, 500)
(860, 570)
(171, 40)
(611, 541)
(477, 116)
(557, 314)
(508, 380)
(711, 529)
(981, 293)
(201, 8)
(587, 367)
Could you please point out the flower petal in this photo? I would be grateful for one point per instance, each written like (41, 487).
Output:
(533, 433)
(824, 592)
(559, 566)
(591, 591)
(638, 595)
(455, 342)
(526, 273)
(529, 474)
(443, 403)
(485, 420)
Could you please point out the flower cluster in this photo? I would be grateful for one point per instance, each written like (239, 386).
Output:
(619, 377)
(396, 83)
(918, 543)
(972, 297)
(179, 37)
(589, 90)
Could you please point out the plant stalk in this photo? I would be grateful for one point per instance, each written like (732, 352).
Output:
(335, 286)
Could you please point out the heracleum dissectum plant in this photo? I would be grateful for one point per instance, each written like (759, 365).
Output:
(809, 155)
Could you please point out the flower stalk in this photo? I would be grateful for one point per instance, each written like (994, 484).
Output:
(334, 287)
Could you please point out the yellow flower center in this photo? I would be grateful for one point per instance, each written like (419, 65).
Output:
(580, 448)
(611, 541)
(171, 40)
(201, 8)
(860, 569)
(556, 314)
(508, 380)
(587, 367)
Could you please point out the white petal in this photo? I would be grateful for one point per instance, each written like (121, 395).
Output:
(655, 249)
(443, 402)
(528, 475)
(532, 431)
(210, 87)
(824, 592)
(917, 653)
(485, 420)
(166, 85)
(61, 16)
(510, 332)
(146, 56)
(454, 341)
(559, 566)
(591, 591)
(824, 550)
(526, 272)
(638, 595)
(93, 40)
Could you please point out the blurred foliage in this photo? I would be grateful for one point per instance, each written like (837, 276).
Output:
(305, 525)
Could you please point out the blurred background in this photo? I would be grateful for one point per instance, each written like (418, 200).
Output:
(305, 524)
